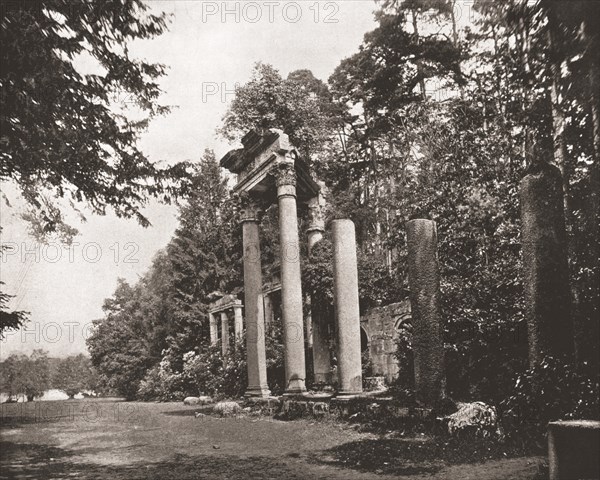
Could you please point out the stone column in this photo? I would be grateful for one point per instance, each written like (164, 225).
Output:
(238, 322)
(320, 335)
(255, 320)
(291, 287)
(268, 309)
(214, 335)
(345, 294)
(224, 333)
(424, 282)
(545, 267)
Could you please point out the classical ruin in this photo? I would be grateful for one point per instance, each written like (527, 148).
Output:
(269, 170)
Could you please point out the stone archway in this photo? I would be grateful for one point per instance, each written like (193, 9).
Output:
(364, 340)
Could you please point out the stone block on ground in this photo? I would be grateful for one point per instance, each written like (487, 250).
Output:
(473, 418)
(201, 400)
(227, 409)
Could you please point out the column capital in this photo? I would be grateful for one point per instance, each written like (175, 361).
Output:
(285, 174)
(316, 220)
(250, 210)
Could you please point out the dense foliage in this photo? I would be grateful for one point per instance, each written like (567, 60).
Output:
(73, 104)
(556, 389)
(63, 134)
(74, 374)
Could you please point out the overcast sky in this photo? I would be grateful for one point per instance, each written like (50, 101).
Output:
(211, 47)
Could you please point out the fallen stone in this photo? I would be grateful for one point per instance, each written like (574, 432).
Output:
(476, 418)
(226, 409)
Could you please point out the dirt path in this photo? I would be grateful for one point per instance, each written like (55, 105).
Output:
(117, 440)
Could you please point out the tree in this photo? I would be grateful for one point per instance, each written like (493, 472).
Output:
(118, 345)
(164, 315)
(29, 376)
(63, 135)
(300, 105)
(73, 375)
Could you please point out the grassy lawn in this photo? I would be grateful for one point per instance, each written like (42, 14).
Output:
(93, 439)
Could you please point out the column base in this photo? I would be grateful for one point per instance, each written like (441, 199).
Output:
(257, 392)
(295, 387)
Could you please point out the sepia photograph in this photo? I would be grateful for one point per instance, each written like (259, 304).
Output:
(311, 239)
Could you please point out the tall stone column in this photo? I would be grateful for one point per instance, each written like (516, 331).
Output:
(224, 333)
(345, 294)
(238, 324)
(545, 267)
(291, 287)
(255, 320)
(320, 336)
(214, 335)
(424, 282)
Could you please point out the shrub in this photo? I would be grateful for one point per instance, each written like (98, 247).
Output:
(555, 389)
(162, 384)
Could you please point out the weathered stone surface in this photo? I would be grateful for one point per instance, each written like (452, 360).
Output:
(424, 281)
(291, 283)
(226, 409)
(321, 355)
(475, 418)
(573, 448)
(345, 295)
(255, 320)
(545, 267)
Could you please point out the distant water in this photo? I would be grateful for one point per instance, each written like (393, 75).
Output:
(52, 394)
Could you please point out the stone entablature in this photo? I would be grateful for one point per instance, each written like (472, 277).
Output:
(225, 303)
(257, 166)
(222, 307)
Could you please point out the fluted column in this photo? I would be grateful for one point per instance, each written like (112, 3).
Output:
(320, 334)
(214, 334)
(255, 321)
(347, 313)
(291, 287)
(224, 333)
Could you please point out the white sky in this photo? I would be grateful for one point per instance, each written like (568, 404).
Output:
(208, 51)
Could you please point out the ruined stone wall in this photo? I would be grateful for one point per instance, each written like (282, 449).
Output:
(380, 325)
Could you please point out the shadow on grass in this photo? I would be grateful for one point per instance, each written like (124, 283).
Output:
(189, 412)
(412, 456)
(35, 461)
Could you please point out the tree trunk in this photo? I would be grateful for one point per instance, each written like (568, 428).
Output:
(418, 62)
(592, 41)
(558, 116)
(461, 88)
(561, 158)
